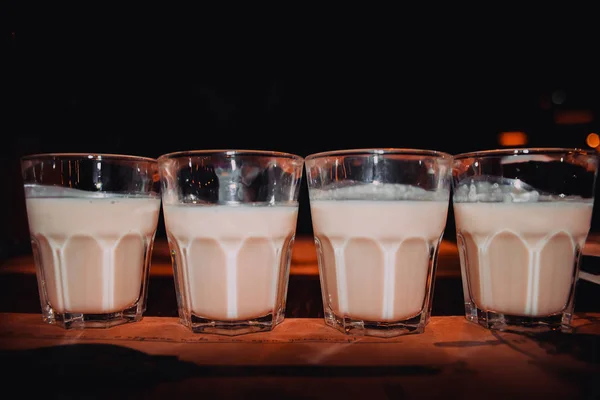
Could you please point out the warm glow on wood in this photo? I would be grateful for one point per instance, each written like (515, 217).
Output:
(515, 138)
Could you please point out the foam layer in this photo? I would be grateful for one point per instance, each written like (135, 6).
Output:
(377, 191)
(493, 189)
(48, 191)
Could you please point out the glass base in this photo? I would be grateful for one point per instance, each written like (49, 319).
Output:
(231, 328)
(470, 312)
(73, 320)
(357, 327)
(512, 323)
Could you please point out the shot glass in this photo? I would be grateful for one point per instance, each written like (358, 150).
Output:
(522, 218)
(378, 218)
(92, 220)
(230, 217)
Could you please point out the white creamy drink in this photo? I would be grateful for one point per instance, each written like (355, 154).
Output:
(519, 252)
(91, 248)
(520, 257)
(229, 260)
(376, 256)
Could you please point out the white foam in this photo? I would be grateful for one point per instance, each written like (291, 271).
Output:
(377, 191)
(504, 190)
(49, 191)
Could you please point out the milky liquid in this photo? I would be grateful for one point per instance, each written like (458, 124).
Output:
(231, 261)
(520, 257)
(376, 256)
(92, 251)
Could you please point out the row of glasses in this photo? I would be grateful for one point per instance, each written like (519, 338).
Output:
(522, 217)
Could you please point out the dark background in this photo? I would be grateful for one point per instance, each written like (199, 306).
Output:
(106, 78)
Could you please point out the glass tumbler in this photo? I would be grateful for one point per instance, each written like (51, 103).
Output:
(230, 217)
(522, 219)
(92, 220)
(378, 218)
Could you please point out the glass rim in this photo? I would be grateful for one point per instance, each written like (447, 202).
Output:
(88, 156)
(231, 152)
(380, 151)
(525, 151)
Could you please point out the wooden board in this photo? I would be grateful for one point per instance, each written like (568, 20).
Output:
(302, 358)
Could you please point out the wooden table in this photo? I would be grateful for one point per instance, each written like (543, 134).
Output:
(589, 272)
(300, 359)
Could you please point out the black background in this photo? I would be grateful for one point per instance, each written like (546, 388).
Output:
(112, 78)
